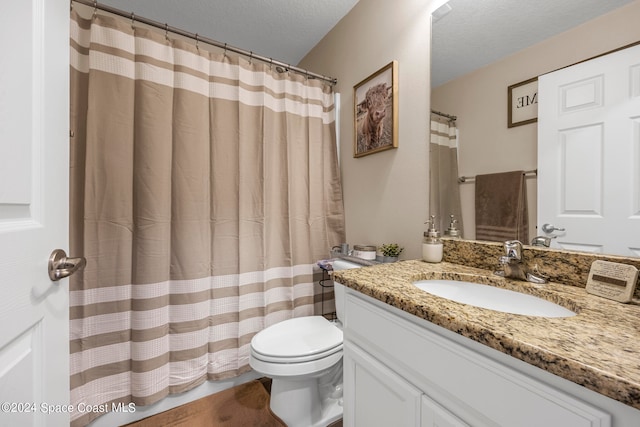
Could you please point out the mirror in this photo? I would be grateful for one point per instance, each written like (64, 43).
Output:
(479, 49)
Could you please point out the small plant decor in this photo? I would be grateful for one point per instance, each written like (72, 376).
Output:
(390, 250)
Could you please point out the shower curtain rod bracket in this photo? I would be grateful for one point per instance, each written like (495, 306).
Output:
(448, 116)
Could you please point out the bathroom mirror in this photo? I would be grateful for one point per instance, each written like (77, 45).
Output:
(479, 49)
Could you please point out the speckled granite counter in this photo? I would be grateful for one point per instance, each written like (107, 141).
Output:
(599, 348)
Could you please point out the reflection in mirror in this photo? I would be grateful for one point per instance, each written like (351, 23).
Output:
(481, 48)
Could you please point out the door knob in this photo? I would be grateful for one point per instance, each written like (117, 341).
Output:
(60, 266)
(550, 228)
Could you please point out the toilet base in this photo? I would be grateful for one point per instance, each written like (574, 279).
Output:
(308, 401)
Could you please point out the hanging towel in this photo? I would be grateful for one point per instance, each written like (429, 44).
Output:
(501, 207)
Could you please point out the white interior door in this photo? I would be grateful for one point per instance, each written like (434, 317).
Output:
(34, 169)
(589, 154)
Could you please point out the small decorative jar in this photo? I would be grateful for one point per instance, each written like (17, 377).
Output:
(364, 252)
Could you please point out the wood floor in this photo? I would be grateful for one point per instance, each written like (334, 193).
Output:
(241, 406)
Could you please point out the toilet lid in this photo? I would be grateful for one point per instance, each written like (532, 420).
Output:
(301, 336)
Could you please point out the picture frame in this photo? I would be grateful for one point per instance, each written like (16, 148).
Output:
(375, 101)
(523, 103)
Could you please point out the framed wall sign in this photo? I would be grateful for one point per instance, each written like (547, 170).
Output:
(376, 112)
(523, 103)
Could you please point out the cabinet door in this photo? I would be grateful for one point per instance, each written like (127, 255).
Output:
(376, 396)
(434, 415)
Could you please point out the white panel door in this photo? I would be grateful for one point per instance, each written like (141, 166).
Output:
(34, 169)
(589, 154)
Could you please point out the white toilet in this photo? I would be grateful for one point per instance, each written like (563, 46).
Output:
(303, 357)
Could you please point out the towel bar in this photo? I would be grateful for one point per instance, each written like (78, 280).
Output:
(461, 179)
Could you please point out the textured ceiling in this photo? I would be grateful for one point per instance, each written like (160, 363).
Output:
(473, 34)
(285, 30)
(476, 33)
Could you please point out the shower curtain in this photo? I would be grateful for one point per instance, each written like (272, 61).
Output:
(204, 188)
(444, 193)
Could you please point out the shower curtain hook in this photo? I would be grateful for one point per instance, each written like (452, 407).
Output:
(250, 57)
(270, 63)
(225, 50)
(197, 41)
(166, 31)
(95, 8)
(133, 20)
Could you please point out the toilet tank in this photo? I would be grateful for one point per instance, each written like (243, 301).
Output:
(338, 289)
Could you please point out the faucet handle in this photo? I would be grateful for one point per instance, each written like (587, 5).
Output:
(513, 249)
(542, 241)
(536, 276)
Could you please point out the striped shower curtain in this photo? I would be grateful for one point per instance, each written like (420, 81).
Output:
(204, 188)
(444, 193)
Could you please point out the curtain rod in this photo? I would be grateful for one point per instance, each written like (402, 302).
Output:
(167, 28)
(448, 116)
(532, 172)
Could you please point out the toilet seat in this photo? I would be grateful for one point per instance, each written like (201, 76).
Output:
(298, 346)
(296, 359)
(300, 338)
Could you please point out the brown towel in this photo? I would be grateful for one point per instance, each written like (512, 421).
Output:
(501, 207)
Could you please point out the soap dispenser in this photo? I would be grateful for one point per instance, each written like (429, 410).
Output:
(453, 231)
(431, 244)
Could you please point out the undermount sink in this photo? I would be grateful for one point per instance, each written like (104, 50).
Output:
(493, 298)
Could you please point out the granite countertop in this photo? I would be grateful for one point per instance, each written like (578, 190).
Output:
(599, 348)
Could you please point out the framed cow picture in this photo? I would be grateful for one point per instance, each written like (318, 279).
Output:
(376, 112)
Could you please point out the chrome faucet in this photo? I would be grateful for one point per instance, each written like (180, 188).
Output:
(513, 266)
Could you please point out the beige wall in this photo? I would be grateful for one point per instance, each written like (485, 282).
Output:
(386, 193)
(479, 99)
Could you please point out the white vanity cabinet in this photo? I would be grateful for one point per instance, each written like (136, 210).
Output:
(400, 370)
